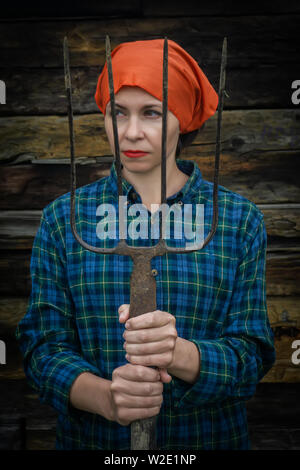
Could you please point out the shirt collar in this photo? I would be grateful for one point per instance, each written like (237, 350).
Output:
(185, 194)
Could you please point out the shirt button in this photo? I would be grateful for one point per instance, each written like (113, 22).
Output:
(134, 196)
(154, 272)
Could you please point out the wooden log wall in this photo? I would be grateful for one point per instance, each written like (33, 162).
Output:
(260, 160)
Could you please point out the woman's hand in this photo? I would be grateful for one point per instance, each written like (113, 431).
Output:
(150, 339)
(136, 393)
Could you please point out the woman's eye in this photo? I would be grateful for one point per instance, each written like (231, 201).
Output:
(152, 113)
(118, 112)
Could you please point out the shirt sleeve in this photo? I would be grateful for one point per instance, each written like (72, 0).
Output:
(47, 334)
(232, 364)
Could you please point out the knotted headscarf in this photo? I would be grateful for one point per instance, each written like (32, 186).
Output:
(191, 97)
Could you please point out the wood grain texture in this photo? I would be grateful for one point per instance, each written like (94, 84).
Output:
(246, 135)
(252, 41)
(260, 160)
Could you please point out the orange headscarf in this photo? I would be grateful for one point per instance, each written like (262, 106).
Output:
(191, 97)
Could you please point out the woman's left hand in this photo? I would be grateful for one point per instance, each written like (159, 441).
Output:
(150, 339)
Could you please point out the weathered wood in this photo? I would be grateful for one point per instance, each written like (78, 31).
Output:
(12, 432)
(18, 401)
(248, 138)
(283, 273)
(15, 273)
(20, 184)
(284, 370)
(275, 403)
(144, 8)
(47, 137)
(261, 176)
(218, 7)
(56, 9)
(41, 91)
(260, 41)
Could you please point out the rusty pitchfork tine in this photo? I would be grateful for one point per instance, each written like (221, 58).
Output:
(142, 283)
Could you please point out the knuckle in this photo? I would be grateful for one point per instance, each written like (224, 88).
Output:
(113, 387)
(118, 399)
(166, 360)
(149, 389)
(149, 320)
(122, 417)
(144, 336)
(147, 360)
(139, 372)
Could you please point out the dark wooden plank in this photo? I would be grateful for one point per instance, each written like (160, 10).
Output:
(62, 9)
(218, 7)
(20, 408)
(273, 417)
(15, 273)
(252, 41)
(20, 184)
(48, 137)
(275, 404)
(261, 176)
(254, 142)
(119, 8)
(40, 91)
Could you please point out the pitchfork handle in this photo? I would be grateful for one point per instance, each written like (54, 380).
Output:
(142, 300)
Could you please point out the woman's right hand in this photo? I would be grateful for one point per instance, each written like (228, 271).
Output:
(136, 393)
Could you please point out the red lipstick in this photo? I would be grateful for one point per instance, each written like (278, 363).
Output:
(135, 153)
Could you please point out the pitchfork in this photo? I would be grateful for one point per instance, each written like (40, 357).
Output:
(142, 282)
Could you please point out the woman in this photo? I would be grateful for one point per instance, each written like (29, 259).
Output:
(209, 338)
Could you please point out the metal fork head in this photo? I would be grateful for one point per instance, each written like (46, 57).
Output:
(161, 247)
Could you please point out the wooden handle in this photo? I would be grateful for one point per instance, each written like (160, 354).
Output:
(142, 300)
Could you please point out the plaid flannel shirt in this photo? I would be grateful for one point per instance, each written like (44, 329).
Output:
(217, 295)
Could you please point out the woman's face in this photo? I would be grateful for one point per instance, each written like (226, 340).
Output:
(139, 121)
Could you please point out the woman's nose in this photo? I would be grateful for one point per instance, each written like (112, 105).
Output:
(134, 128)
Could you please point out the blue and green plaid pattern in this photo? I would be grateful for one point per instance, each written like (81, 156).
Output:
(217, 295)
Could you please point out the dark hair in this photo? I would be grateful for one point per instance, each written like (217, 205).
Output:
(186, 139)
